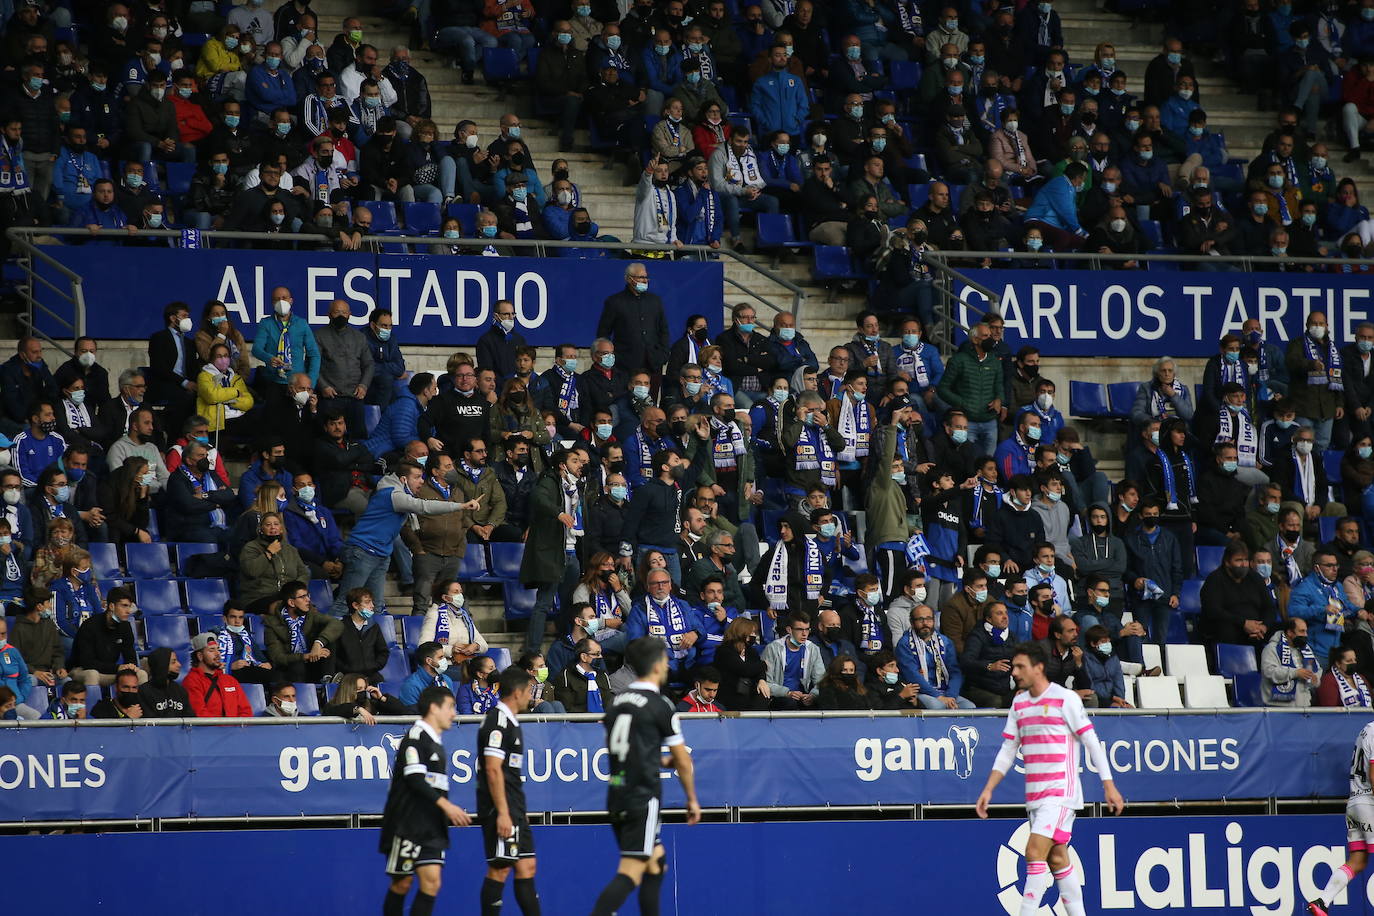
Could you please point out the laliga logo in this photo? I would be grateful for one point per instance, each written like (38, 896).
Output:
(1009, 874)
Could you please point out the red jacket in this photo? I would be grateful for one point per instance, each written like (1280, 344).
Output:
(221, 698)
(192, 123)
(692, 703)
(1355, 88)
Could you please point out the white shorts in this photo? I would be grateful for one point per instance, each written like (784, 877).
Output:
(1052, 820)
(1359, 824)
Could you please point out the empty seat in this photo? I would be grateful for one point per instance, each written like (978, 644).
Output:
(422, 217)
(410, 632)
(308, 698)
(372, 415)
(104, 561)
(190, 549)
(833, 262)
(1157, 693)
(500, 64)
(1152, 655)
(387, 624)
(206, 596)
(505, 559)
(1181, 661)
(1088, 399)
(1208, 559)
(466, 214)
(383, 215)
(1121, 397)
(1233, 660)
(147, 561)
(776, 230)
(1190, 597)
(474, 564)
(1205, 691)
(169, 631)
(500, 655)
(256, 697)
(207, 623)
(397, 667)
(519, 601)
(1248, 689)
(158, 597)
(322, 596)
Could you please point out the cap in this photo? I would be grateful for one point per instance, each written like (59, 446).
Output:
(201, 640)
(5, 441)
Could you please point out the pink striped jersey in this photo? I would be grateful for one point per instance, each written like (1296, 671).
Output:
(1050, 729)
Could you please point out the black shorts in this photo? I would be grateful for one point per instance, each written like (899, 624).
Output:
(405, 856)
(637, 829)
(502, 852)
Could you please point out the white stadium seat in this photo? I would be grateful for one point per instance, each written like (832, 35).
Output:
(1185, 660)
(1158, 693)
(1205, 691)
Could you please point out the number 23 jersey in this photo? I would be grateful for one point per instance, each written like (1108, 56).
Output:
(640, 722)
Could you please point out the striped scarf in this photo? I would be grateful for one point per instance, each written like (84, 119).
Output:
(728, 445)
(1329, 379)
(568, 402)
(297, 627)
(931, 647)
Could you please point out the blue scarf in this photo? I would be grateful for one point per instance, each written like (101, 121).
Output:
(979, 494)
(1331, 378)
(297, 627)
(1166, 465)
(567, 393)
(594, 701)
(814, 453)
(666, 622)
(1292, 658)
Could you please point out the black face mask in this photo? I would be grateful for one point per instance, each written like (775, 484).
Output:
(560, 175)
(616, 467)
(517, 160)
(988, 345)
(203, 465)
(517, 397)
(1298, 642)
(1291, 536)
(678, 427)
(1099, 530)
(338, 322)
(582, 228)
(831, 633)
(919, 236)
(127, 698)
(1149, 522)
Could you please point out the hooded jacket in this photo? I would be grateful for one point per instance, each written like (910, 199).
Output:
(162, 697)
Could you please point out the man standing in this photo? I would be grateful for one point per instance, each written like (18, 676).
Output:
(1044, 713)
(556, 522)
(285, 344)
(639, 723)
(417, 813)
(973, 382)
(388, 364)
(634, 320)
(346, 368)
(496, 348)
(501, 798)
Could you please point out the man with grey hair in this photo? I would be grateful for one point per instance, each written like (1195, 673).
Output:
(974, 382)
(113, 419)
(719, 562)
(810, 446)
(634, 319)
(412, 103)
(345, 368)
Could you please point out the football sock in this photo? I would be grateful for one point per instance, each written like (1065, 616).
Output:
(492, 891)
(1038, 880)
(1070, 892)
(423, 905)
(613, 895)
(527, 895)
(1339, 879)
(394, 905)
(650, 890)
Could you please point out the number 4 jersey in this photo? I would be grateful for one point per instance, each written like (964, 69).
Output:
(639, 724)
(1360, 787)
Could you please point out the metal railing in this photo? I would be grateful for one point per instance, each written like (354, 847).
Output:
(24, 240)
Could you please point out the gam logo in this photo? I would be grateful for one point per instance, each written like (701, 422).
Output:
(952, 753)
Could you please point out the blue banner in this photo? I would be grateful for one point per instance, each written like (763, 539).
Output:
(1179, 313)
(1215, 866)
(169, 771)
(434, 299)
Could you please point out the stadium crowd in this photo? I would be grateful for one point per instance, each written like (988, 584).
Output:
(877, 531)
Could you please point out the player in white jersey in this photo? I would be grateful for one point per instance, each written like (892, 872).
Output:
(1048, 723)
(1359, 822)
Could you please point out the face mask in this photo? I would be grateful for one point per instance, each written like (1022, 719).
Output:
(889, 677)
(133, 181)
(1149, 522)
(852, 53)
(1175, 58)
(78, 396)
(64, 493)
(12, 497)
(1304, 447)
(1045, 402)
(828, 530)
(1117, 225)
(980, 595)
(959, 436)
(1146, 155)
(301, 397)
(1105, 648)
(603, 430)
(1318, 331)
(1229, 467)
(273, 63)
(1118, 92)
(1275, 181)
(900, 478)
(1033, 433)
(441, 665)
(1263, 570)
(613, 42)
(591, 626)
(240, 628)
(488, 232)
(641, 286)
(1034, 244)
(1103, 601)
(448, 234)
(1132, 126)
(747, 327)
(873, 598)
(1365, 451)
(619, 492)
(1012, 126)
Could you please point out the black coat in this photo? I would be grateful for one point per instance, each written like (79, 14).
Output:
(597, 391)
(637, 324)
(297, 426)
(1221, 501)
(604, 523)
(164, 382)
(496, 350)
(979, 652)
(96, 378)
(1059, 669)
(184, 513)
(360, 651)
(335, 464)
(1228, 604)
(740, 359)
(517, 493)
(739, 679)
(1359, 386)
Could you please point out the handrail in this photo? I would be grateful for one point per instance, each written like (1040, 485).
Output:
(22, 235)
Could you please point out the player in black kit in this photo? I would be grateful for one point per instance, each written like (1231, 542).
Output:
(501, 797)
(418, 812)
(638, 724)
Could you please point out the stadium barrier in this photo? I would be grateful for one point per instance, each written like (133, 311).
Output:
(74, 290)
(1203, 866)
(115, 770)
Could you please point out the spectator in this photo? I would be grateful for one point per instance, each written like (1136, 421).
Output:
(842, 687)
(1162, 397)
(583, 686)
(1236, 605)
(698, 207)
(449, 623)
(357, 700)
(1154, 570)
(778, 99)
(268, 563)
(1342, 686)
(430, 667)
(104, 644)
(301, 641)
(929, 660)
(162, 697)
(1289, 670)
(285, 344)
(794, 666)
(1357, 106)
(986, 660)
(633, 319)
(973, 383)
(213, 693)
(236, 648)
(738, 181)
(549, 561)
(346, 367)
(1102, 670)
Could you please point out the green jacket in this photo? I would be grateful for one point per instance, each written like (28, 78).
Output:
(1316, 402)
(885, 518)
(707, 477)
(702, 570)
(544, 556)
(970, 384)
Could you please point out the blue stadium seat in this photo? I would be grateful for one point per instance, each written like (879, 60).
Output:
(956, 193)
(307, 699)
(1178, 630)
(500, 655)
(372, 415)
(104, 561)
(206, 596)
(383, 216)
(323, 596)
(1331, 463)
(506, 557)
(772, 520)
(1121, 396)
(397, 665)
(917, 195)
(1233, 660)
(466, 214)
(148, 561)
(1152, 231)
(179, 175)
(330, 688)
(170, 631)
(474, 564)
(256, 697)
(906, 76)
(776, 230)
(1208, 559)
(1247, 689)
(833, 262)
(206, 623)
(519, 601)
(421, 217)
(1190, 597)
(410, 632)
(1088, 399)
(1326, 528)
(152, 524)
(387, 624)
(189, 549)
(500, 64)
(93, 696)
(39, 698)
(158, 597)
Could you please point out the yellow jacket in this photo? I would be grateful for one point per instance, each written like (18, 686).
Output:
(216, 58)
(212, 397)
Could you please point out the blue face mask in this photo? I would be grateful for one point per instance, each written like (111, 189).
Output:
(1229, 466)
(519, 194)
(603, 430)
(384, 334)
(35, 83)
(1175, 58)
(880, 143)
(608, 361)
(1309, 219)
(976, 59)
(451, 233)
(852, 52)
(619, 492)
(231, 120)
(780, 395)
(1197, 131)
(641, 286)
(1232, 356)
(694, 77)
(889, 677)
(76, 474)
(1146, 155)
(613, 42)
(856, 112)
(1034, 244)
(959, 436)
(783, 148)
(489, 232)
(828, 530)
(220, 168)
(1065, 110)
(911, 340)
(64, 493)
(1365, 345)
(1260, 209)
(272, 62)
(283, 128)
(662, 50)
(565, 38)
(1264, 570)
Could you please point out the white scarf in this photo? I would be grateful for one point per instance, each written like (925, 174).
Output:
(1161, 401)
(1354, 692)
(854, 426)
(743, 169)
(919, 648)
(77, 415)
(1237, 427)
(775, 584)
(1291, 658)
(910, 362)
(728, 446)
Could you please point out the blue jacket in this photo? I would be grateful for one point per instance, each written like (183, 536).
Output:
(1209, 146)
(254, 477)
(472, 701)
(662, 73)
(792, 355)
(266, 93)
(780, 171)
(1012, 458)
(1358, 41)
(1141, 179)
(1056, 205)
(865, 19)
(387, 510)
(1161, 561)
(388, 365)
(698, 214)
(637, 625)
(1019, 621)
(1104, 675)
(1309, 601)
(779, 102)
(398, 426)
(67, 172)
(14, 674)
(68, 613)
(1173, 115)
(314, 542)
(908, 662)
(409, 693)
(33, 455)
(713, 633)
(92, 214)
(1051, 422)
(305, 352)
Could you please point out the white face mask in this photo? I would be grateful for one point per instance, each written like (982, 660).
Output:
(918, 594)
(288, 706)
(456, 600)
(283, 307)
(1318, 331)
(441, 665)
(86, 359)
(184, 325)
(1045, 402)
(301, 397)
(470, 141)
